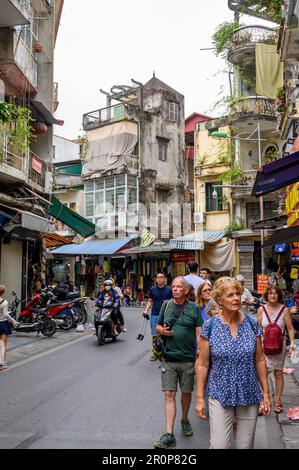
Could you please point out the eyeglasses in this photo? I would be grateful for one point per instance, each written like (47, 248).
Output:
(205, 291)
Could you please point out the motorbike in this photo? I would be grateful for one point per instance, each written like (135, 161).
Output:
(63, 294)
(41, 323)
(105, 325)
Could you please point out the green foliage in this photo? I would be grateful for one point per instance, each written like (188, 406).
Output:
(225, 152)
(222, 37)
(269, 8)
(238, 224)
(15, 123)
(232, 176)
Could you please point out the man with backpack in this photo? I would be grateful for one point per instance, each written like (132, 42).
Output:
(275, 319)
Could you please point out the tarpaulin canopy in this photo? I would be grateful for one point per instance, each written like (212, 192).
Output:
(53, 239)
(276, 175)
(73, 220)
(95, 246)
(196, 240)
(220, 257)
(109, 149)
(285, 235)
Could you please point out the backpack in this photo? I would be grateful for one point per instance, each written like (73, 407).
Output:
(273, 336)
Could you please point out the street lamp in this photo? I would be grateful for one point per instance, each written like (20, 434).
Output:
(225, 135)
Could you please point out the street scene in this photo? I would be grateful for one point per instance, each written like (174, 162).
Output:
(149, 225)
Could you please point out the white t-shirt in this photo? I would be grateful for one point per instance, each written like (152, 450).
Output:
(195, 281)
(246, 296)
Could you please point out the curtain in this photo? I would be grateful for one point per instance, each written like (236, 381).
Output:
(219, 257)
(269, 70)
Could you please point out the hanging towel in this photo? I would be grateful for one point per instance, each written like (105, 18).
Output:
(269, 70)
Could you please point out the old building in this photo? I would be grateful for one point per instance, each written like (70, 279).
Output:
(28, 30)
(134, 171)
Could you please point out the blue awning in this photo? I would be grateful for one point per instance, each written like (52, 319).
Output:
(197, 240)
(95, 247)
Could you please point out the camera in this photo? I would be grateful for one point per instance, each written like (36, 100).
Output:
(170, 323)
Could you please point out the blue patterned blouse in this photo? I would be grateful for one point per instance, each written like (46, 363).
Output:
(232, 378)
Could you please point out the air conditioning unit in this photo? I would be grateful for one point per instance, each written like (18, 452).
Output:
(199, 218)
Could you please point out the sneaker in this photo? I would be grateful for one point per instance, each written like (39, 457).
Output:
(186, 427)
(3, 366)
(153, 358)
(165, 441)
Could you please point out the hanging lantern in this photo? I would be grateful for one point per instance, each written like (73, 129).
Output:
(40, 127)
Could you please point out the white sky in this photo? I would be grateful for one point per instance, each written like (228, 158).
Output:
(102, 43)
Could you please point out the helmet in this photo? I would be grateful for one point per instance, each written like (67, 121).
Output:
(108, 283)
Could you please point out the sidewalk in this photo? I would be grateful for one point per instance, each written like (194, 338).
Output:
(290, 399)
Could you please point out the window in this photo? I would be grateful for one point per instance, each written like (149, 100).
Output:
(173, 111)
(89, 209)
(162, 146)
(253, 211)
(212, 203)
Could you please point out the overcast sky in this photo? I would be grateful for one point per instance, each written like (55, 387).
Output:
(102, 43)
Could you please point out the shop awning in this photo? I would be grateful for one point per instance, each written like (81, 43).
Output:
(73, 220)
(284, 235)
(12, 217)
(154, 248)
(95, 247)
(53, 239)
(197, 240)
(44, 114)
(283, 172)
(271, 223)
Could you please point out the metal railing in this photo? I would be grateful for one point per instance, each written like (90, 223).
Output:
(249, 35)
(24, 6)
(102, 116)
(252, 106)
(37, 170)
(24, 58)
(9, 158)
(248, 180)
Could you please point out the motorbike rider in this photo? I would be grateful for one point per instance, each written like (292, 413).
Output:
(109, 293)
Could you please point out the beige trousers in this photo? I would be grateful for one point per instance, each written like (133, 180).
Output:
(229, 421)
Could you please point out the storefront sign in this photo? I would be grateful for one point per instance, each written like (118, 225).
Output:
(245, 247)
(183, 257)
(36, 165)
(262, 282)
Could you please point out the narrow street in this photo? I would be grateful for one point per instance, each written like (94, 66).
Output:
(78, 395)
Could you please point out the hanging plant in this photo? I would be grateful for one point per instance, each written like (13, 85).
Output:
(16, 124)
(222, 37)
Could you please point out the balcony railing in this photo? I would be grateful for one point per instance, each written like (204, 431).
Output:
(37, 170)
(245, 39)
(249, 106)
(10, 159)
(102, 116)
(248, 180)
(24, 58)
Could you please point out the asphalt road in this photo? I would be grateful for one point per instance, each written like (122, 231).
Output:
(77, 395)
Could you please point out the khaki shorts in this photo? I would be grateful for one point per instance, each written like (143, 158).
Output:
(173, 373)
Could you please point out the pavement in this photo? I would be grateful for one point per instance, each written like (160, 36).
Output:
(22, 346)
(290, 399)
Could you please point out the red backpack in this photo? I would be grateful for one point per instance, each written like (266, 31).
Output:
(273, 336)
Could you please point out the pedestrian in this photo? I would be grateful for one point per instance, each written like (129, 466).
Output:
(247, 299)
(157, 294)
(5, 328)
(212, 308)
(203, 296)
(191, 293)
(179, 321)
(232, 362)
(276, 311)
(192, 278)
(205, 274)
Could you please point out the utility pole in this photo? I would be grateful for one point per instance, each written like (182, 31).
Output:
(261, 202)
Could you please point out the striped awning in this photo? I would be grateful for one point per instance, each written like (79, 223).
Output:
(197, 240)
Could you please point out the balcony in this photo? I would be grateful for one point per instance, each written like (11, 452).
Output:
(248, 180)
(250, 107)
(18, 167)
(242, 45)
(14, 12)
(288, 108)
(104, 116)
(17, 63)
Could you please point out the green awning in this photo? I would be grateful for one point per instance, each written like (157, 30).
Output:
(75, 169)
(73, 220)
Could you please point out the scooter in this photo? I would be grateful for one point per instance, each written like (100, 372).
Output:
(40, 323)
(105, 325)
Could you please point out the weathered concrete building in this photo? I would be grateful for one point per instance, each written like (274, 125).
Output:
(135, 159)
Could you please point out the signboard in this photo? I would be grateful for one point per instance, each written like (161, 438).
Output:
(245, 247)
(36, 165)
(262, 282)
(295, 249)
(184, 257)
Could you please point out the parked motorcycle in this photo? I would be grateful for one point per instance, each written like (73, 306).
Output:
(63, 294)
(41, 323)
(105, 324)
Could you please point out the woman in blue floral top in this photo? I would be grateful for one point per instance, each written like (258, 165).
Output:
(232, 362)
